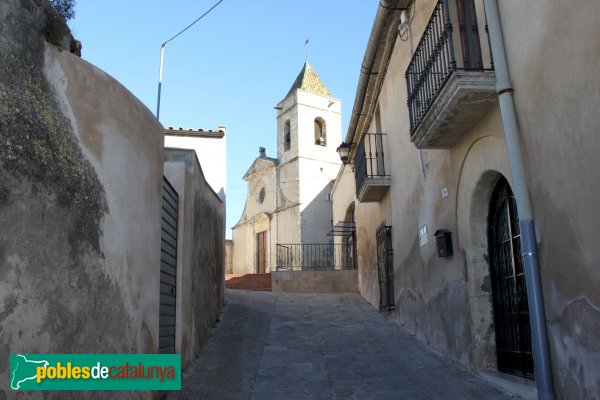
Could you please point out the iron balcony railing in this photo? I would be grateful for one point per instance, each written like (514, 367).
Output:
(434, 59)
(314, 257)
(369, 161)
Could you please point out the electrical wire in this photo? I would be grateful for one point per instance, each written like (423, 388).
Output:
(403, 33)
(197, 19)
(254, 191)
(286, 182)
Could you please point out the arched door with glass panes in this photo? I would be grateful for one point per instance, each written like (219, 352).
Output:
(511, 313)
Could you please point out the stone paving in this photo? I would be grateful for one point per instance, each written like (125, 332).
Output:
(320, 346)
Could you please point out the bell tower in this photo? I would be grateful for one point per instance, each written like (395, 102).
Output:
(309, 130)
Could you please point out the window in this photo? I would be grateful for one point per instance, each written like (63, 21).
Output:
(469, 35)
(320, 132)
(261, 195)
(287, 140)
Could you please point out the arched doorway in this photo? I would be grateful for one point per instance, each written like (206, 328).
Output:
(509, 293)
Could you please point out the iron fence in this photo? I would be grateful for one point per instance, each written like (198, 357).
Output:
(369, 161)
(314, 257)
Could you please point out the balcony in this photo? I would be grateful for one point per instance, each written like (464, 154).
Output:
(372, 180)
(449, 92)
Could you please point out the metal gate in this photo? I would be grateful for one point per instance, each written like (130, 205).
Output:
(511, 312)
(385, 268)
(168, 269)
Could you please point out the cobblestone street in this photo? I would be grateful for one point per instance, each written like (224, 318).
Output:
(320, 346)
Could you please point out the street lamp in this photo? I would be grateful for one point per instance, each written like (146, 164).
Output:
(344, 151)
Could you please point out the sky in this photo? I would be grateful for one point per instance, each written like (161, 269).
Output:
(232, 67)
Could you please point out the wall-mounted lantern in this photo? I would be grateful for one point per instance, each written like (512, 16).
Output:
(344, 151)
(443, 241)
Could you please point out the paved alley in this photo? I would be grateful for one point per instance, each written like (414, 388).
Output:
(320, 346)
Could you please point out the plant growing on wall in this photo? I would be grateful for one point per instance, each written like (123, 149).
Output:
(66, 8)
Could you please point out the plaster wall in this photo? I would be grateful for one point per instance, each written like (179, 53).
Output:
(288, 223)
(201, 253)
(343, 193)
(229, 256)
(239, 258)
(212, 154)
(80, 184)
(315, 199)
(314, 176)
(288, 184)
(311, 106)
(288, 111)
(369, 218)
(343, 196)
(556, 98)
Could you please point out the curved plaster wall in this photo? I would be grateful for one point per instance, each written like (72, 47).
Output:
(485, 162)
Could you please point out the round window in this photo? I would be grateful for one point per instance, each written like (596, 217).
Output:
(261, 195)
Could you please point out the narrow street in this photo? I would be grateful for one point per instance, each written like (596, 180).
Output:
(320, 346)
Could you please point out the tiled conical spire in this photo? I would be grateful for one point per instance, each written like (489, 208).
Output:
(309, 81)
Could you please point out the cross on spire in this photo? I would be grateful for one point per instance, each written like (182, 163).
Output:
(306, 40)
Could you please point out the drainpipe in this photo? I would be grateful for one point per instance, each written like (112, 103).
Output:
(539, 334)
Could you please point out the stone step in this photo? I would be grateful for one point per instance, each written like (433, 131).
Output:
(257, 282)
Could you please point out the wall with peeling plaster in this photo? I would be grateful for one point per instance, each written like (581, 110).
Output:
(552, 53)
(80, 201)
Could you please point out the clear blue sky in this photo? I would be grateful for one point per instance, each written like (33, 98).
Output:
(232, 67)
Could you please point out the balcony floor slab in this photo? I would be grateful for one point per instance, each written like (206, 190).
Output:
(373, 189)
(461, 103)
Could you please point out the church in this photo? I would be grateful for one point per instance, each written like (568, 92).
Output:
(288, 206)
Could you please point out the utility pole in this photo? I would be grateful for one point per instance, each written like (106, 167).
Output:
(162, 54)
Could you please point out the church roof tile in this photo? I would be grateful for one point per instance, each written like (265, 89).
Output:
(309, 81)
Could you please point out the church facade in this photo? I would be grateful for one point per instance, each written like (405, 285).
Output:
(288, 201)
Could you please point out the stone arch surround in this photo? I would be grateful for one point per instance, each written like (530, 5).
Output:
(485, 161)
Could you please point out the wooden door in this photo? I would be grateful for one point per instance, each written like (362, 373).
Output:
(469, 35)
(261, 252)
